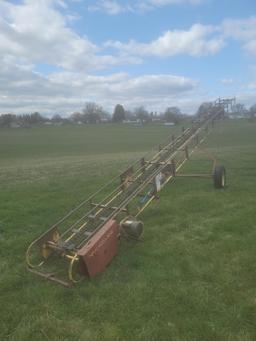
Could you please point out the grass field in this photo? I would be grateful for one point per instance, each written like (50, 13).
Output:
(193, 277)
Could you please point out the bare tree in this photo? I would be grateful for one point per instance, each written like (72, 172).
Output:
(173, 114)
(93, 112)
(77, 117)
(142, 114)
(240, 109)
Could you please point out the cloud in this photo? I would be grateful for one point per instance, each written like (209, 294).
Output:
(252, 86)
(199, 40)
(170, 2)
(45, 39)
(242, 30)
(37, 32)
(114, 7)
(246, 98)
(23, 90)
(250, 47)
(227, 81)
(252, 83)
(111, 7)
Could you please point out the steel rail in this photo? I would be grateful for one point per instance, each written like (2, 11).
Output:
(86, 201)
(83, 203)
(116, 202)
(115, 191)
(146, 181)
(112, 198)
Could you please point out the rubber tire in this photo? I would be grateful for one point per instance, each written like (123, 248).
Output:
(219, 177)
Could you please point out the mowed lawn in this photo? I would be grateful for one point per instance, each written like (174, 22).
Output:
(192, 277)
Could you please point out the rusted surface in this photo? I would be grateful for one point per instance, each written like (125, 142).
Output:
(101, 248)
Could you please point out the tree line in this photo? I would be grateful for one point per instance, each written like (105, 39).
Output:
(93, 113)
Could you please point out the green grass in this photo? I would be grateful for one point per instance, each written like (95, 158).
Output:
(191, 278)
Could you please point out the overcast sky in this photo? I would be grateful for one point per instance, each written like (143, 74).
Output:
(55, 55)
